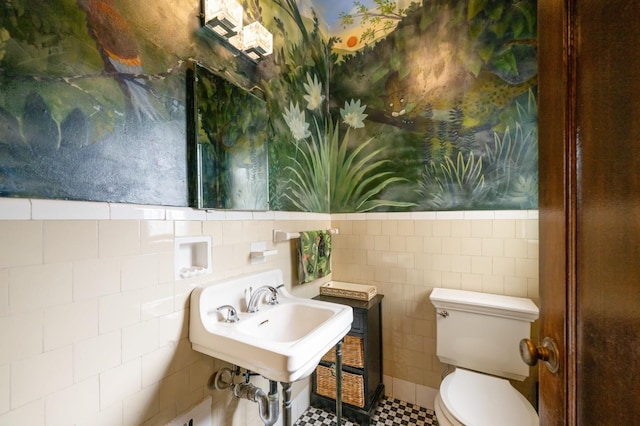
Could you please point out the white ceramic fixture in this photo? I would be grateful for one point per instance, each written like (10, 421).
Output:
(192, 256)
(282, 342)
(479, 334)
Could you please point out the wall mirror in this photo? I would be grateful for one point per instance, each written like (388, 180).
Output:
(231, 133)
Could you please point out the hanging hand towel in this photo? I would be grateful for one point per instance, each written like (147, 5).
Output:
(314, 255)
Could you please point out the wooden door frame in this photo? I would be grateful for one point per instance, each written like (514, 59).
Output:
(557, 206)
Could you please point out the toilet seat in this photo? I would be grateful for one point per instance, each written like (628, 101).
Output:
(474, 399)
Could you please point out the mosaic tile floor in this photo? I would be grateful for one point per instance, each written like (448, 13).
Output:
(389, 412)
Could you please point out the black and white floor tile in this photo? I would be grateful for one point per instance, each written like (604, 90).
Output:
(390, 412)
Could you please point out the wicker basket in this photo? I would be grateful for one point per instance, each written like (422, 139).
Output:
(352, 352)
(349, 290)
(352, 386)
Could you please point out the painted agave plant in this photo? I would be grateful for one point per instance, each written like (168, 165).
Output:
(327, 176)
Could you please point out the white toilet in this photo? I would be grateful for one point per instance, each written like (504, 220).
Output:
(479, 334)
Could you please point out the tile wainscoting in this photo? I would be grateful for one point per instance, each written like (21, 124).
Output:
(94, 324)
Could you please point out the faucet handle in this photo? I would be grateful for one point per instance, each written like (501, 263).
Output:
(232, 314)
(273, 299)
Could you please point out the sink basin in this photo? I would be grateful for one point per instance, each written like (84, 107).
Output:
(287, 322)
(283, 342)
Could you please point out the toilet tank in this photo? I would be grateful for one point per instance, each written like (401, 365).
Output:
(482, 332)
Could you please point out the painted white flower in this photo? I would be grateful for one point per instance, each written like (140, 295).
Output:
(314, 96)
(295, 119)
(353, 114)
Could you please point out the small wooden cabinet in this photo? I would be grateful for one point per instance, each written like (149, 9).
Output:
(362, 386)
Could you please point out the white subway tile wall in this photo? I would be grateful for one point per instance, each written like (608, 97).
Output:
(406, 257)
(94, 327)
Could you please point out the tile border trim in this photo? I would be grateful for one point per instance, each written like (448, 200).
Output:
(37, 209)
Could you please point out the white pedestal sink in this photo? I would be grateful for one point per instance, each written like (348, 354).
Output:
(282, 342)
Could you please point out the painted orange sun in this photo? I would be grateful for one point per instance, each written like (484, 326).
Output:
(352, 41)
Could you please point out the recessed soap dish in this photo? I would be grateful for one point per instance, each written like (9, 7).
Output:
(193, 271)
(192, 256)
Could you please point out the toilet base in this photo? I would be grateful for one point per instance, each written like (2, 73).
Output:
(443, 415)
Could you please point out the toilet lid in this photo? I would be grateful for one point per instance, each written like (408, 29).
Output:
(477, 399)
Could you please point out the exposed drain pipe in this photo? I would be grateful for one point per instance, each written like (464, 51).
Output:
(269, 408)
(268, 405)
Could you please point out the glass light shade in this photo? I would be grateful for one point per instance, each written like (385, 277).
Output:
(257, 41)
(223, 16)
(237, 40)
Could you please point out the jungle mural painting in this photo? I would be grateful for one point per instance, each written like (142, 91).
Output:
(93, 98)
(451, 93)
(398, 106)
(312, 166)
(432, 106)
(90, 107)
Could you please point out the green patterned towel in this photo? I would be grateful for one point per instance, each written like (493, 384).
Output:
(314, 255)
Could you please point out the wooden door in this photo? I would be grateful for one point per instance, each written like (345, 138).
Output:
(589, 118)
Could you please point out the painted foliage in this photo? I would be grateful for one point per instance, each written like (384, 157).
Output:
(92, 103)
(401, 106)
(93, 97)
(312, 166)
(450, 88)
(431, 106)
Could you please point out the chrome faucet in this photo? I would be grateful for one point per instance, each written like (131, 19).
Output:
(232, 314)
(252, 306)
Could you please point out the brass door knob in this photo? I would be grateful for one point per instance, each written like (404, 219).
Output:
(548, 352)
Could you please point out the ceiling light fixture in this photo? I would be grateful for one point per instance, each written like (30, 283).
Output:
(225, 18)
